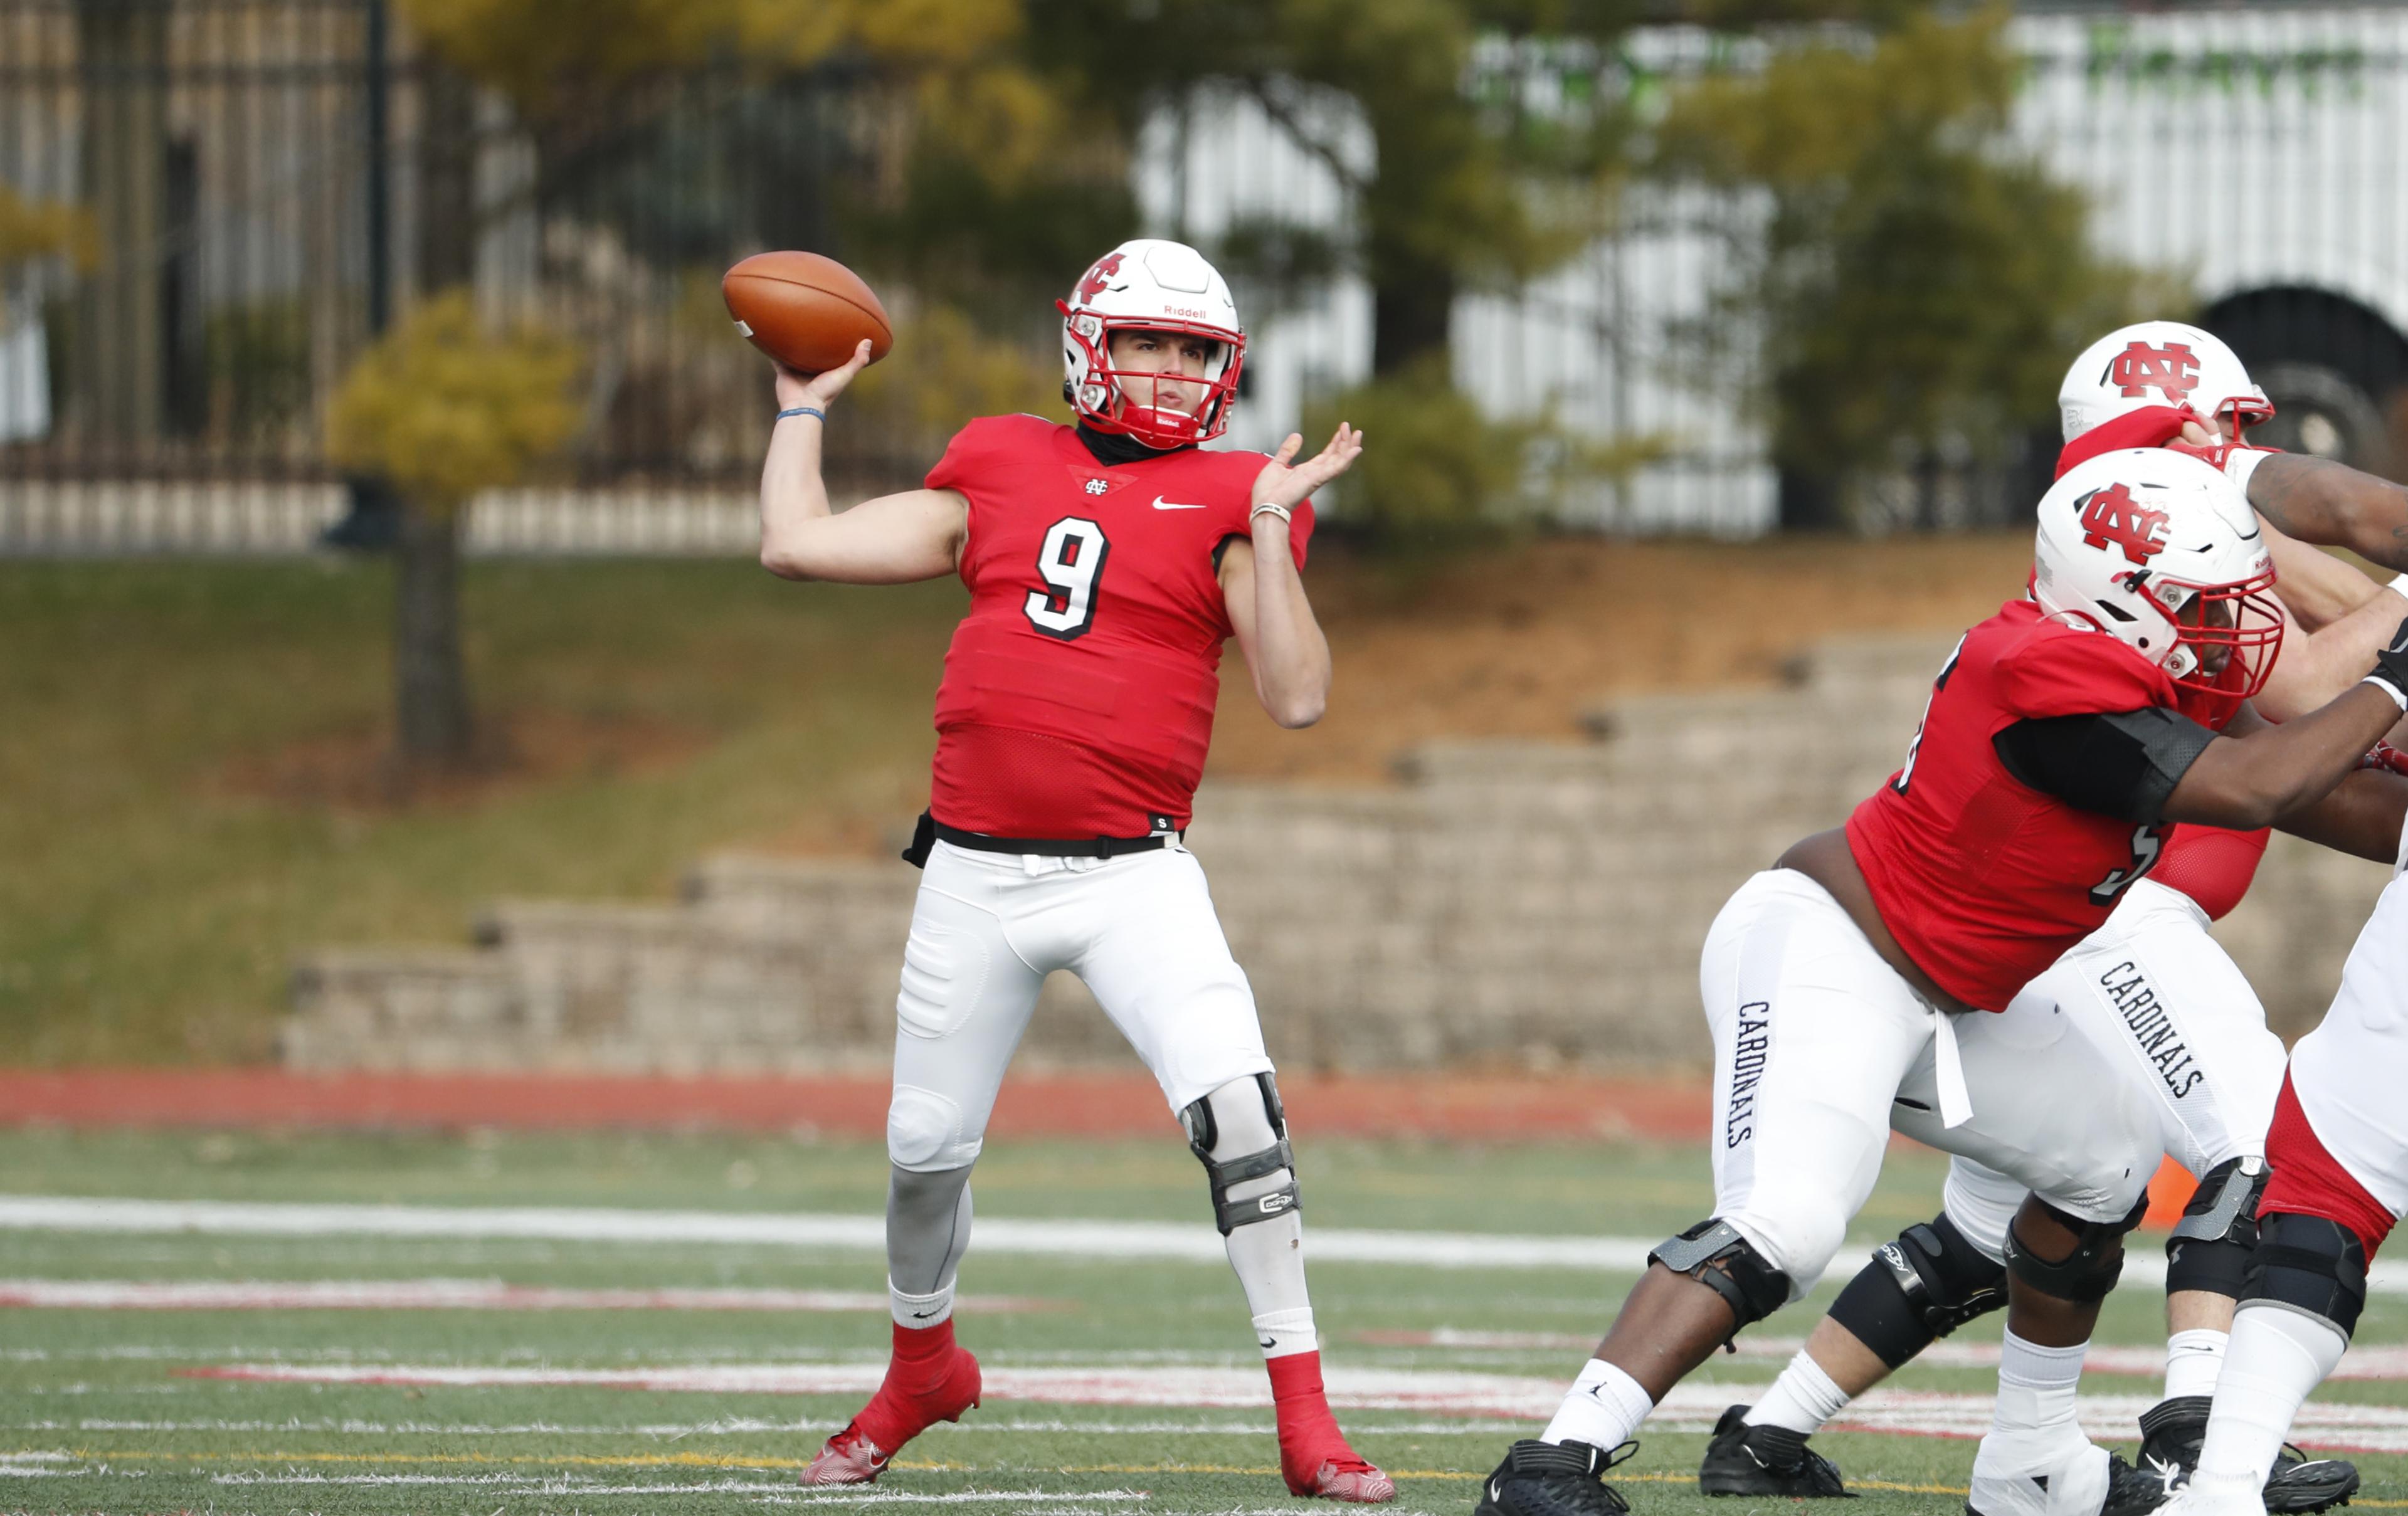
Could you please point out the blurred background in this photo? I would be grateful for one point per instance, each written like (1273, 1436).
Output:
(385, 683)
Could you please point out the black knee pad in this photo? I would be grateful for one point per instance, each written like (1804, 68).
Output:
(2309, 1263)
(2089, 1272)
(1713, 1254)
(2210, 1247)
(1203, 1135)
(1919, 1288)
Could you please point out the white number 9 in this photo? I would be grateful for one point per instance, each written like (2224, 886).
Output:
(1071, 560)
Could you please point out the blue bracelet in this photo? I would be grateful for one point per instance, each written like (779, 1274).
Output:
(804, 410)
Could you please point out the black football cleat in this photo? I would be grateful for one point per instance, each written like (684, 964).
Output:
(2131, 1492)
(1767, 1461)
(1550, 1479)
(2173, 1430)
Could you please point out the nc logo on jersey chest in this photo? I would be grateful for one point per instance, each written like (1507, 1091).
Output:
(1097, 487)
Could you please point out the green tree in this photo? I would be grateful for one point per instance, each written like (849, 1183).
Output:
(440, 409)
(1902, 277)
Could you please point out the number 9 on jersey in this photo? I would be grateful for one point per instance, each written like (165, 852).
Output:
(1071, 560)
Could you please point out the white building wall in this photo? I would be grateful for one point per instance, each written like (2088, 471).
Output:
(2236, 148)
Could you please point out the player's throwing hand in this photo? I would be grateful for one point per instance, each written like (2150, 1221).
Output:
(1279, 485)
(796, 388)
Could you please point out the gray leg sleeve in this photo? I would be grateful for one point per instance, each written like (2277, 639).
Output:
(928, 1228)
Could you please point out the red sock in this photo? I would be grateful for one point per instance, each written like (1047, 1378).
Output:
(929, 1380)
(1308, 1433)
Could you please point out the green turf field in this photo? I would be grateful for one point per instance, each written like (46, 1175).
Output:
(103, 1410)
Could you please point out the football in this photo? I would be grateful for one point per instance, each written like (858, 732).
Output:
(807, 311)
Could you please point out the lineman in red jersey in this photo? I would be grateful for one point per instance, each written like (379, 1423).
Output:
(2152, 989)
(2063, 733)
(1107, 563)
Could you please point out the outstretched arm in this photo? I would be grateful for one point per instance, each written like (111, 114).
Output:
(2317, 588)
(2318, 665)
(2364, 815)
(2331, 504)
(1282, 644)
(2259, 774)
(893, 539)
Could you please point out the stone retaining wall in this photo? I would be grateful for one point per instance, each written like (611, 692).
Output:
(1507, 905)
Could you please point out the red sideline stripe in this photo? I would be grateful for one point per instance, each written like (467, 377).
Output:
(1496, 1108)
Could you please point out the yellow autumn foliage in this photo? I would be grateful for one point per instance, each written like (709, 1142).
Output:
(527, 49)
(32, 229)
(443, 408)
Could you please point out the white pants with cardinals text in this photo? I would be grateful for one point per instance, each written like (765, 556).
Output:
(1821, 1050)
(2168, 1008)
(1139, 930)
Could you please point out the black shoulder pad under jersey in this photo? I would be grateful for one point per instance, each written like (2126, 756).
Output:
(2121, 764)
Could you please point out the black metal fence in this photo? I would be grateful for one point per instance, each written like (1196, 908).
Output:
(259, 187)
(245, 192)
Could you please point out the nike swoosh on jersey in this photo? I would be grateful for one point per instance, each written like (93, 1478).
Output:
(1160, 504)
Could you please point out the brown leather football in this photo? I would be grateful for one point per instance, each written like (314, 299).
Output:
(807, 311)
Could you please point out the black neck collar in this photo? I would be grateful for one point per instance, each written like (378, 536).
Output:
(1112, 449)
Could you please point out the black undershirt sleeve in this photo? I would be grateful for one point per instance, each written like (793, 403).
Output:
(2121, 764)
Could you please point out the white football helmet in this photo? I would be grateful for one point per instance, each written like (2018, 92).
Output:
(1150, 285)
(2159, 364)
(2159, 550)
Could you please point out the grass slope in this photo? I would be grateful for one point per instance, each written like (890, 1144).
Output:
(95, 1415)
(188, 748)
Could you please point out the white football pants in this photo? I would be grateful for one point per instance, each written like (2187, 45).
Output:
(1821, 1050)
(2172, 1011)
(2349, 1072)
(988, 927)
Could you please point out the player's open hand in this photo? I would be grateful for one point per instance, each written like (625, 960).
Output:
(1279, 484)
(796, 388)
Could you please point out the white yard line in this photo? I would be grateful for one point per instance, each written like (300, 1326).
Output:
(726, 1426)
(1690, 1408)
(1064, 1239)
(2358, 1363)
(439, 1295)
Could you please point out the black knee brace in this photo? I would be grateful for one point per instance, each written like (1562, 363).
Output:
(2309, 1263)
(2210, 1247)
(1713, 1254)
(1920, 1287)
(2086, 1275)
(1203, 1134)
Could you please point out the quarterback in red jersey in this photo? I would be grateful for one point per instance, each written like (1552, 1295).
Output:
(1846, 987)
(1107, 563)
(2150, 989)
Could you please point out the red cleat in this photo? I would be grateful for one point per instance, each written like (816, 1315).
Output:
(929, 1380)
(1314, 1457)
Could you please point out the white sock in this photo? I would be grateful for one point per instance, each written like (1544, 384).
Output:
(1602, 1409)
(2193, 1358)
(1279, 1332)
(2278, 1355)
(1802, 1399)
(2036, 1387)
(920, 1310)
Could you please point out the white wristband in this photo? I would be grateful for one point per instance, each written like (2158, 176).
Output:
(2399, 585)
(2240, 463)
(1281, 512)
(2389, 689)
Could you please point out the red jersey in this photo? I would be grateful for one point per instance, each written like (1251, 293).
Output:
(1077, 694)
(2212, 864)
(1983, 880)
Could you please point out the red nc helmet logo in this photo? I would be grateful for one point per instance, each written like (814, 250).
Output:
(1101, 277)
(2112, 516)
(2171, 370)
